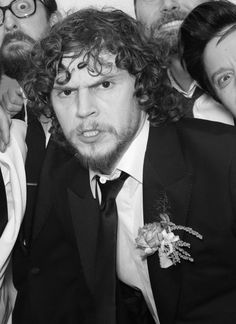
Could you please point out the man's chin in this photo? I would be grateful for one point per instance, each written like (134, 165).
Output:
(14, 59)
(102, 158)
(17, 45)
(167, 42)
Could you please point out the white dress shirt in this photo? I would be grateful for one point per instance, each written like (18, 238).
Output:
(131, 268)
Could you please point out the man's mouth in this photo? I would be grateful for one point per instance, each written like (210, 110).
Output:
(90, 133)
(175, 24)
(18, 41)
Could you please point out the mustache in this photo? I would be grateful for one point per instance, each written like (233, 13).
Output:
(17, 36)
(93, 126)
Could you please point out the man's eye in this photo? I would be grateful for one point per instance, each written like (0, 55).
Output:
(23, 6)
(67, 92)
(106, 84)
(224, 80)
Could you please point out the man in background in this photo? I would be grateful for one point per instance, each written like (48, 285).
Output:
(160, 20)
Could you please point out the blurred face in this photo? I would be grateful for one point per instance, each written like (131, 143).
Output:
(161, 19)
(99, 114)
(219, 60)
(17, 35)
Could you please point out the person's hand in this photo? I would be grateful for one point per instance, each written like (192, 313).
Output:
(5, 124)
(10, 105)
(12, 101)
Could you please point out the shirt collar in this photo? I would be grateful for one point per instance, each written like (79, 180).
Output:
(174, 84)
(132, 160)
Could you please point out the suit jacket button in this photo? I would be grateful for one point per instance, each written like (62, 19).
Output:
(35, 271)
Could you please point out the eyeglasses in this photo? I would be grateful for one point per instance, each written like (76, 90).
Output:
(19, 8)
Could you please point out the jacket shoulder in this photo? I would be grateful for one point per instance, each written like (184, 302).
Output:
(207, 140)
(210, 128)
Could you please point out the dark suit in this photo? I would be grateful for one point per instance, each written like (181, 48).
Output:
(197, 171)
(193, 161)
(40, 164)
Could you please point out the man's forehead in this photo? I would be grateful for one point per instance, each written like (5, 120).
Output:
(89, 74)
(71, 61)
(153, 2)
(4, 2)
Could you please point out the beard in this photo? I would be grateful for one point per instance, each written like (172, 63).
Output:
(166, 40)
(104, 162)
(14, 54)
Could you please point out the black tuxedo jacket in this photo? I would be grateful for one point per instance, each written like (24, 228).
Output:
(193, 161)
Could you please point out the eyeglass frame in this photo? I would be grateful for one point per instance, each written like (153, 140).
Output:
(8, 7)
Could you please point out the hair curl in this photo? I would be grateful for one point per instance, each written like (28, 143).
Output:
(90, 32)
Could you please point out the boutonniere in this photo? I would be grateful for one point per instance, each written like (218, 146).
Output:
(159, 236)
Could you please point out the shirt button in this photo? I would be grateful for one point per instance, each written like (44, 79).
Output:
(103, 180)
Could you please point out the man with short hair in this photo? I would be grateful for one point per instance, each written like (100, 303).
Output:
(153, 206)
(160, 20)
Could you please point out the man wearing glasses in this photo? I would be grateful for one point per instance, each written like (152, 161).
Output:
(22, 22)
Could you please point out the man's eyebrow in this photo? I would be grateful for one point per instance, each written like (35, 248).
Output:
(63, 87)
(103, 78)
(215, 74)
(99, 79)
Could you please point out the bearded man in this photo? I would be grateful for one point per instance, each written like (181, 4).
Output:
(161, 19)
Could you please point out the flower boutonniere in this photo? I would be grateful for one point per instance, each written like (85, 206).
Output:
(159, 236)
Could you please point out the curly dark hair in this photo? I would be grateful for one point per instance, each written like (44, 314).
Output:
(201, 25)
(90, 32)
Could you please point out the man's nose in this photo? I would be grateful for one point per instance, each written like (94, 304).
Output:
(170, 5)
(86, 104)
(10, 22)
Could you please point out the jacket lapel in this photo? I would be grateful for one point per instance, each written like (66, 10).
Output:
(165, 170)
(82, 206)
(85, 217)
(54, 157)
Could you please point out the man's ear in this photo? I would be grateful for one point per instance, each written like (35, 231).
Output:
(54, 18)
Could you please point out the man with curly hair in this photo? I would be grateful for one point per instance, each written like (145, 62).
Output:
(160, 20)
(89, 260)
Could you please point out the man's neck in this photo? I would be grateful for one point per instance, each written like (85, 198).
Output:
(180, 75)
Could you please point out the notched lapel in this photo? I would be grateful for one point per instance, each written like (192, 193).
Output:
(85, 218)
(165, 170)
(55, 157)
